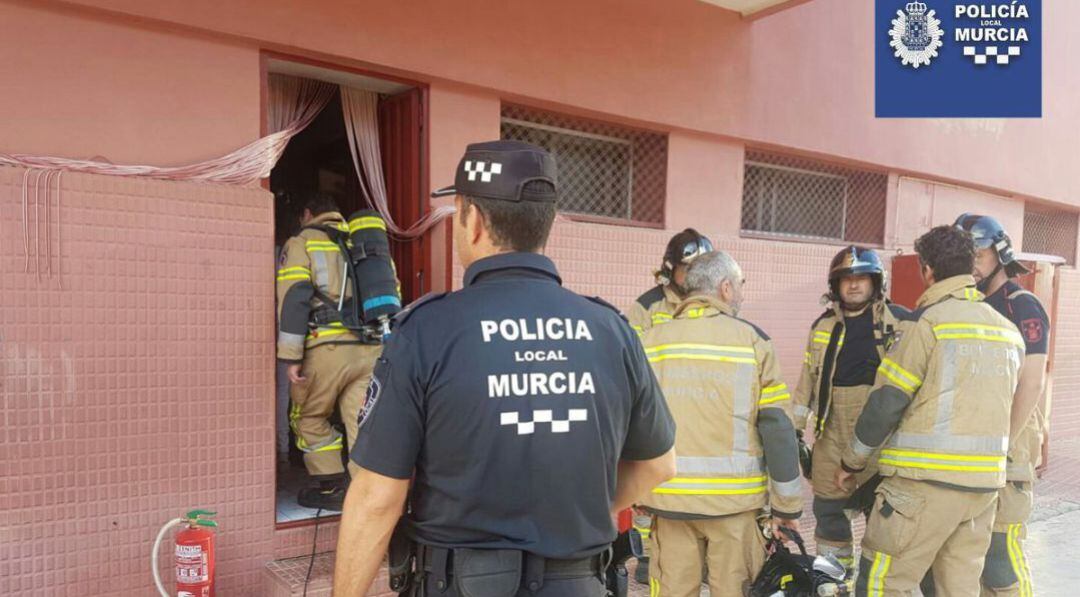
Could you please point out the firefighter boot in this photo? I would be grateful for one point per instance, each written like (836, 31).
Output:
(327, 494)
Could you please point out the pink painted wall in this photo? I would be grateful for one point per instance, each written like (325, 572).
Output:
(705, 182)
(679, 64)
(142, 389)
(79, 86)
(812, 87)
(458, 116)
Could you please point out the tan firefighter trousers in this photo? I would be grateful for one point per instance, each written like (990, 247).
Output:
(916, 526)
(732, 546)
(337, 377)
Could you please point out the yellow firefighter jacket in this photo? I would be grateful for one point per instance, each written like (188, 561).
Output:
(654, 307)
(736, 445)
(819, 360)
(943, 394)
(309, 277)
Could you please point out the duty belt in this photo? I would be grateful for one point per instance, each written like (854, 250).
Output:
(553, 568)
(441, 563)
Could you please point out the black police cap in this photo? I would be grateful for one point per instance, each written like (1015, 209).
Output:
(502, 170)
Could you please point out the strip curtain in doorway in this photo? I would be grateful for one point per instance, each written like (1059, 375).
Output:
(360, 109)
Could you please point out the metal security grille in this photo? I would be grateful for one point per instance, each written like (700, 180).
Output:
(1050, 232)
(807, 199)
(605, 170)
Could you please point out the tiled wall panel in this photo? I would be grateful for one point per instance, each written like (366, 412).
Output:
(141, 389)
(1065, 410)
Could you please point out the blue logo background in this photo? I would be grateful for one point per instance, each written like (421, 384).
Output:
(952, 85)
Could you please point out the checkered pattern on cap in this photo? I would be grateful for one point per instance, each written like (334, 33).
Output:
(503, 170)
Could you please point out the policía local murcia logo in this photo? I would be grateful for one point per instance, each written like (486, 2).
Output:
(916, 35)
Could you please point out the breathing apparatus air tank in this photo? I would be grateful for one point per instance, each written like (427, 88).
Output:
(372, 269)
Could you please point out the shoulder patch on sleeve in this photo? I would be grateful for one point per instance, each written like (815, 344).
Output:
(654, 294)
(901, 312)
(412, 307)
(760, 332)
(601, 301)
(1033, 329)
(374, 390)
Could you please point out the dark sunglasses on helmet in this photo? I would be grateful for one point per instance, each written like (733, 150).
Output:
(696, 248)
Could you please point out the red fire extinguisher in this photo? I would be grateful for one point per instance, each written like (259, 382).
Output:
(194, 555)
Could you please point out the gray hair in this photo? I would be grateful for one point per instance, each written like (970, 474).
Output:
(708, 271)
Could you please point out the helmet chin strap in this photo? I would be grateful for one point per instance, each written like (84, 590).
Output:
(984, 284)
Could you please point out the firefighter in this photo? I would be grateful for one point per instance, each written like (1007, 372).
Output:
(328, 366)
(941, 400)
(657, 305)
(736, 444)
(845, 347)
(654, 307)
(996, 267)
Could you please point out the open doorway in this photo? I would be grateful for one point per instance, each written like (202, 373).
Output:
(319, 160)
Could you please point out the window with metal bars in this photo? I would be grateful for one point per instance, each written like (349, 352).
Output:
(799, 198)
(606, 171)
(1049, 231)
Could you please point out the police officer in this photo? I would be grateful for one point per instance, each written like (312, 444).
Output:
(845, 347)
(736, 443)
(657, 305)
(942, 399)
(1006, 571)
(526, 414)
(328, 366)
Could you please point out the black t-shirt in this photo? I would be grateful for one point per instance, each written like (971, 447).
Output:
(1026, 313)
(512, 400)
(857, 363)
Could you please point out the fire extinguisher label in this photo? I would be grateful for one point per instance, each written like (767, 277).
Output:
(191, 564)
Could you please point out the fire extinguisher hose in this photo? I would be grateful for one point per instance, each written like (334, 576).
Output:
(154, 554)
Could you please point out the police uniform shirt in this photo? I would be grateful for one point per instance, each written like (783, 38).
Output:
(1026, 313)
(857, 363)
(512, 400)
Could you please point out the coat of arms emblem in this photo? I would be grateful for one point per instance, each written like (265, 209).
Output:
(916, 35)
